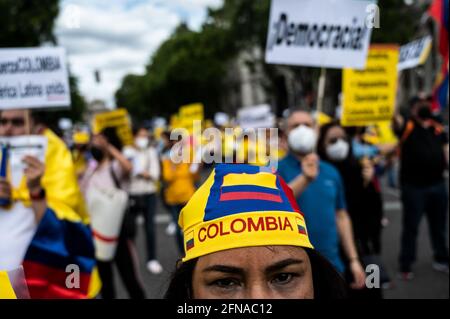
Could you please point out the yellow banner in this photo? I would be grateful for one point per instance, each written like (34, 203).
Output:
(190, 113)
(323, 118)
(174, 121)
(381, 133)
(119, 119)
(370, 94)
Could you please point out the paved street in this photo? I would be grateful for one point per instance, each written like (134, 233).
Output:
(427, 283)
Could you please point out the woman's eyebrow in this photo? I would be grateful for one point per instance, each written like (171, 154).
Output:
(225, 269)
(283, 264)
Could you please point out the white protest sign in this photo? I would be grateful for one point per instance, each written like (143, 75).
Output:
(139, 163)
(414, 53)
(33, 78)
(18, 148)
(160, 122)
(259, 116)
(221, 119)
(65, 124)
(320, 33)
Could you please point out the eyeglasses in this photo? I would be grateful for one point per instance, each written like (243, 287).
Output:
(16, 122)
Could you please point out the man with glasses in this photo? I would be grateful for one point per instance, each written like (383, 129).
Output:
(44, 226)
(17, 222)
(319, 191)
(11, 123)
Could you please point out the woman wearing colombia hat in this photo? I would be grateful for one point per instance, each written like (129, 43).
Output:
(246, 238)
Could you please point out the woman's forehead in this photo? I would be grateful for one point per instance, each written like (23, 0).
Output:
(336, 131)
(249, 255)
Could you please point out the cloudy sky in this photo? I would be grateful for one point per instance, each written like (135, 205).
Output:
(117, 37)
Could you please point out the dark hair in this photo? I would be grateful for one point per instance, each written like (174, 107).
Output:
(415, 100)
(166, 134)
(321, 148)
(328, 283)
(39, 117)
(110, 133)
(138, 128)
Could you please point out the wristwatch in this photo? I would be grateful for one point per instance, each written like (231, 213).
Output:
(37, 196)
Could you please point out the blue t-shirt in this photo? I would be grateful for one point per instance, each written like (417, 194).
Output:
(319, 202)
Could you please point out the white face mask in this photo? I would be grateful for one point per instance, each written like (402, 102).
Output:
(302, 140)
(338, 151)
(141, 142)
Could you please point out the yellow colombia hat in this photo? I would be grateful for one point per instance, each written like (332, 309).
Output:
(241, 206)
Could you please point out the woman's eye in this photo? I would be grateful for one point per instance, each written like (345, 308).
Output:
(226, 283)
(283, 278)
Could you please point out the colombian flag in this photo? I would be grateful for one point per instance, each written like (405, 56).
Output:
(439, 12)
(58, 246)
(62, 248)
(190, 241)
(301, 227)
(247, 188)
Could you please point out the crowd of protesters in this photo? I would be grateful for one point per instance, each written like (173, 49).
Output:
(334, 174)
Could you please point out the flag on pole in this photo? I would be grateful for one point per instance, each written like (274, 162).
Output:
(438, 11)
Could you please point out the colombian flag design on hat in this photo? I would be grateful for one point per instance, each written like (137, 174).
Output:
(241, 206)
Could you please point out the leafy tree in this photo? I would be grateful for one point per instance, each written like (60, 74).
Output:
(187, 68)
(192, 66)
(26, 23)
(398, 22)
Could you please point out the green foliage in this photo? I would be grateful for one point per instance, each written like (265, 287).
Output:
(187, 68)
(192, 66)
(398, 22)
(26, 23)
(246, 21)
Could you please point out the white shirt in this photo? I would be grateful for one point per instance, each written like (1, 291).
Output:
(143, 161)
(17, 228)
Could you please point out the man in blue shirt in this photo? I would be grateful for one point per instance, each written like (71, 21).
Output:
(319, 191)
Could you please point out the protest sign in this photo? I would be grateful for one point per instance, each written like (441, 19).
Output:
(369, 95)
(33, 78)
(322, 118)
(118, 119)
(221, 119)
(190, 113)
(20, 146)
(320, 33)
(380, 133)
(259, 116)
(159, 126)
(414, 53)
(174, 121)
(159, 122)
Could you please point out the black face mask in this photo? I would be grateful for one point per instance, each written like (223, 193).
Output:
(424, 113)
(97, 153)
